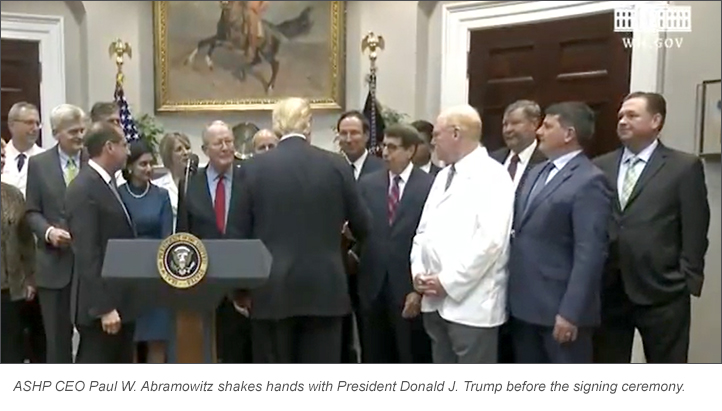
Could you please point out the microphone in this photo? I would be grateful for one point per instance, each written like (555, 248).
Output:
(190, 170)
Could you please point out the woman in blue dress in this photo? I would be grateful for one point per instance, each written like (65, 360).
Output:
(150, 209)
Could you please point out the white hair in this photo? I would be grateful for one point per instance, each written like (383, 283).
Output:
(64, 115)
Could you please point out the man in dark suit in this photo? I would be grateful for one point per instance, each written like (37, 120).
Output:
(658, 239)
(395, 197)
(296, 199)
(422, 158)
(104, 315)
(353, 130)
(519, 125)
(559, 244)
(205, 211)
(48, 175)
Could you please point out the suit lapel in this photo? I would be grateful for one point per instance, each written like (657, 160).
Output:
(526, 187)
(656, 162)
(409, 190)
(201, 187)
(614, 172)
(559, 178)
(55, 173)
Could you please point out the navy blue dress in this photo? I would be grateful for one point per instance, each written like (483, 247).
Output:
(152, 216)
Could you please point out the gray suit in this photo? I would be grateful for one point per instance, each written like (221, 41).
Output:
(45, 209)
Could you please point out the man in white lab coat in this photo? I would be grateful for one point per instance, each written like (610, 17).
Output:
(460, 251)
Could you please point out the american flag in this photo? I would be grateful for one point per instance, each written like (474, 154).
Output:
(126, 119)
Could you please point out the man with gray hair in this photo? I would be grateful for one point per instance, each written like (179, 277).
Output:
(521, 120)
(264, 140)
(24, 125)
(460, 251)
(48, 175)
(296, 199)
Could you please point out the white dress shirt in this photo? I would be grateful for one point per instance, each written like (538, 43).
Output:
(359, 164)
(10, 173)
(426, 167)
(643, 155)
(404, 179)
(560, 162)
(523, 163)
(464, 238)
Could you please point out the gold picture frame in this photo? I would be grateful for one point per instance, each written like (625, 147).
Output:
(183, 83)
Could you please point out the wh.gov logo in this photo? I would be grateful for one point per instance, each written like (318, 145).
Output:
(652, 25)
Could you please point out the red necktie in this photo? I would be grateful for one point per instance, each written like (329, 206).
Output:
(393, 198)
(513, 164)
(220, 205)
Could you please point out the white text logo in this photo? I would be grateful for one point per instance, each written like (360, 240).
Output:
(664, 18)
(646, 43)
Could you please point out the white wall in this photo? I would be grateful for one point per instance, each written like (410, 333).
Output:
(90, 26)
(698, 59)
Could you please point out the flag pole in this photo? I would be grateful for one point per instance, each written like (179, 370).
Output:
(373, 44)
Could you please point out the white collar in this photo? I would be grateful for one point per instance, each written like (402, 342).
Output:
(359, 163)
(525, 154)
(404, 174)
(643, 155)
(292, 135)
(100, 170)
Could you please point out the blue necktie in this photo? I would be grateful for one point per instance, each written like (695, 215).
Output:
(539, 183)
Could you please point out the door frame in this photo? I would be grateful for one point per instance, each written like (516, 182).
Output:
(48, 31)
(458, 19)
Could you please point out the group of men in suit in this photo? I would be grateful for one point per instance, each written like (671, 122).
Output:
(534, 253)
(601, 247)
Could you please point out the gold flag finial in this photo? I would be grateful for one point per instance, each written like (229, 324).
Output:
(117, 50)
(373, 43)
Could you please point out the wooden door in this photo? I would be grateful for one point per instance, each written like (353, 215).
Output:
(20, 77)
(579, 59)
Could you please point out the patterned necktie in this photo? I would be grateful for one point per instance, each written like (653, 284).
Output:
(630, 179)
(220, 204)
(450, 178)
(393, 198)
(71, 171)
(21, 160)
(513, 164)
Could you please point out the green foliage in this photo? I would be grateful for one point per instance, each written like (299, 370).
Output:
(151, 131)
(392, 116)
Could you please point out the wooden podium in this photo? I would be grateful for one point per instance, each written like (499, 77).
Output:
(230, 265)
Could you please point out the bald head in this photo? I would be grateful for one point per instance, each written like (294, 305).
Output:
(465, 119)
(218, 145)
(264, 140)
(457, 132)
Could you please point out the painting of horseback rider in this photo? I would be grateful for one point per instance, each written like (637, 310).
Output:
(250, 37)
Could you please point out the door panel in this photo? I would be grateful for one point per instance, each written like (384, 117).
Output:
(20, 77)
(549, 62)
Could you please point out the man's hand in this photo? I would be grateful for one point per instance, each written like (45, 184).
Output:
(30, 293)
(412, 305)
(111, 322)
(564, 331)
(431, 286)
(59, 237)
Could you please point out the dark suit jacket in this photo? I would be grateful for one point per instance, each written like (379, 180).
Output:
(371, 164)
(434, 170)
(384, 256)
(559, 246)
(537, 157)
(94, 216)
(45, 208)
(196, 214)
(658, 242)
(296, 199)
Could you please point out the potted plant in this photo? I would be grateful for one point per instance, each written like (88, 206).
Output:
(150, 131)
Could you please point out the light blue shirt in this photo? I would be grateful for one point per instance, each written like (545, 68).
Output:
(627, 155)
(560, 162)
(64, 159)
(212, 176)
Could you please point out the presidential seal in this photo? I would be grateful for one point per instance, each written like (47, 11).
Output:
(182, 260)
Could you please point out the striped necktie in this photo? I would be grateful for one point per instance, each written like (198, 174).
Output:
(630, 179)
(71, 171)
